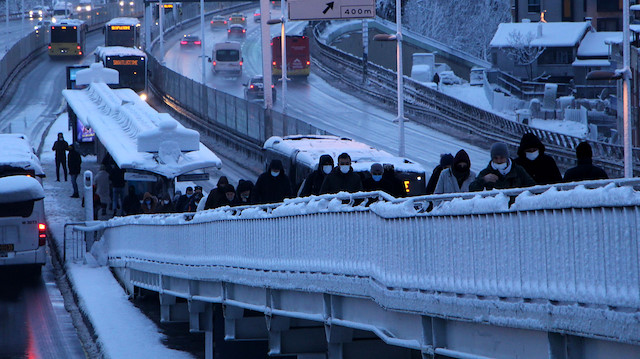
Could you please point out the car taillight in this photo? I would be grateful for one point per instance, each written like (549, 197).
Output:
(243, 30)
(197, 42)
(214, 63)
(42, 234)
(49, 47)
(225, 21)
(251, 86)
(242, 19)
(308, 63)
(211, 22)
(274, 63)
(273, 86)
(183, 42)
(240, 63)
(229, 30)
(78, 47)
(80, 53)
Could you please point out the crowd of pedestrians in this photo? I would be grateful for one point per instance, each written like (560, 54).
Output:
(453, 174)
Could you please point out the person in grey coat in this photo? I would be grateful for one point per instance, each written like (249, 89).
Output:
(458, 177)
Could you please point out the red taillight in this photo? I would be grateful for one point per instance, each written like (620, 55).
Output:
(183, 42)
(273, 86)
(308, 63)
(229, 19)
(80, 53)
(242, 19)
(42, 234)
(229, 30)
(273, 63)
(78, 47)
(214, 63)
(197, 42)
(211, 22)
(251, 86)
(240, 63)
(225, 21)
(243, 30)
(49, 47)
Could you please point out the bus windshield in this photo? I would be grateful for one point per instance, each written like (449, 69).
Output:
(227, 55)
(124, 38)
(58, 34)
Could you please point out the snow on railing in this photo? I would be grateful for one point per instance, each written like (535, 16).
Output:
(575, 245)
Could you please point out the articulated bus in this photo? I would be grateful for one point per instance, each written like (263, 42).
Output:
(122, 31)
(131, 64)
(298, 58)
(68, 38)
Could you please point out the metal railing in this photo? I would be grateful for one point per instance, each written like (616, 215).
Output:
(427, 106)
(78, 239)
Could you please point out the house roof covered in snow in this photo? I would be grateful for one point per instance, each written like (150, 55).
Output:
(17, 152)
(550, 34)
(136, 135)
(307, 149)
(596, 44)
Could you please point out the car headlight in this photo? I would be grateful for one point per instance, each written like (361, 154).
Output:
(143, 96)
(88, 8)
(79, 8)
(121, 3)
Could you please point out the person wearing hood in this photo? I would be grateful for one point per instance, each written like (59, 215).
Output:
(446, 160)
(272, 186)
(458, 177)
(379, 182)
(502, 172)
(149, 203)
(75, 163)
(540, 166)
(228, 196)
(313, 182)
(342, 178)
(216, 193)
(183, 201)
(585, 170)
(131, 203)
(243, 192)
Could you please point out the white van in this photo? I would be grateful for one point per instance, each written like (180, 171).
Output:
(23, 232)
(227, 57)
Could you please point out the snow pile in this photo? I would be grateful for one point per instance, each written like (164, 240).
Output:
(20, 188)
(580, 197)
(476, 205)
(394, 210)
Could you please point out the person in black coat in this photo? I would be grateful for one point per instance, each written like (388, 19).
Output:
(243, 192)
(501, 172)
(379, 182)
(60, 147)
(228, 196)
(183, 202)
(446, 160)
(272, 186)
(540, 166)
(313, 182)
(585, 170)
(75, 163)
(342, 178)
(131, 203)
(215, 194)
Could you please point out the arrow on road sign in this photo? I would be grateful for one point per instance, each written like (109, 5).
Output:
(329, 6)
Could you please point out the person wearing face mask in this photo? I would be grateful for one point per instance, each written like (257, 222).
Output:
(501, 173)
(446, 160)
(540, 166)
(272, 186)
(342, 178)
(379, 182)
(216, 193)
(183, 201)
(243, 192)
(458, 177)
(149, 203)
(313, 182)
(228, 196)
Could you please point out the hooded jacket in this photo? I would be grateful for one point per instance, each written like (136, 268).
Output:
(152, 207)
(543, 169)
(516, 178)
(74, 162)
(313, 182)
(585, 170)
(337, 181)
(270, 189)
(453, 181)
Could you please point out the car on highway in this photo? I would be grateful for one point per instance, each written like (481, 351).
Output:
(42, 25)
(218, 22)
(190, 40)
(236, 31)
(226, 57)
(256, 17)
(254, 89)
(238, 19)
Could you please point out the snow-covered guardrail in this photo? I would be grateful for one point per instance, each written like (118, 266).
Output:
(576, 246)
(429, 106)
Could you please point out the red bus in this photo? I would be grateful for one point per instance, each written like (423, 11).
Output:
(298, 58)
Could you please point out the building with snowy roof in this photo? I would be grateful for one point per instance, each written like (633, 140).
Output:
(605, 14)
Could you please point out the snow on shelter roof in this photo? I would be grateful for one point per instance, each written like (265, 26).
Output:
(20, 188)
(119, 51)
(596, 44)
(69, 22)
(554, 34)
(136, 135)
(132, 21)
(17, 152)
(307, 149)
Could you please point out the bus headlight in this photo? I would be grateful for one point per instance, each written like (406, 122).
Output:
(143, 96)
(79, 8)
(88, 8)
(53, 20)
(121, 3)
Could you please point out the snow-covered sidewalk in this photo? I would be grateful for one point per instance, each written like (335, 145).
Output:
(121, 330)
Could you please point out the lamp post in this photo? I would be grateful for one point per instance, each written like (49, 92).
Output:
(283, 48)
(623, 74)
(398, 39)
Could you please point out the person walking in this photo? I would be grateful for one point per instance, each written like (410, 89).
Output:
(102, 183)
(446, 160)
(501, 172)
(342, 178)
(313, 182)
(585, 170)
(60, 147)
(458, 177)
(149, 203)
(75, 163)
(243, 192)
(215, 194)
(183, 202)
(379, 182)
(540, 166)
(272, 186)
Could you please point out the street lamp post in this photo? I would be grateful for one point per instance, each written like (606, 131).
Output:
(283, 53)
(400, 74)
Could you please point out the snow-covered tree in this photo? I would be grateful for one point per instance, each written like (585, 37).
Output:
(521, 50)
(465, 25)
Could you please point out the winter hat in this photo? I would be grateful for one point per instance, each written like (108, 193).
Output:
(275, 165)
(529, 140)
(376, 167)
(244, 185)
(326, 160)
(446, 159)
(499, 149)
(228, 188)
(583, 151)
(222, 181)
